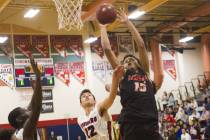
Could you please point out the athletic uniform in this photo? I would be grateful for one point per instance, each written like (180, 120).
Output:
(94, 126)
(19, 135)
(139, 115)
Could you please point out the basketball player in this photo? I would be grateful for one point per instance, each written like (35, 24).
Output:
(7, 134)
(94, 123)
(25, 120)
(139, 115)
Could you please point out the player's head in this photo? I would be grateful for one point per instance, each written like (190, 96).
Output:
(131, 62)
(183, 130)
(7, 134)
(17, 117)
(87, 99)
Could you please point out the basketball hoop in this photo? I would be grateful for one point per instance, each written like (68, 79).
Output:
(69, 14)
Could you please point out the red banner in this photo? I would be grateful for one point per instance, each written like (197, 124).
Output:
(62, 72)
(97, 48)
(59, 43)
(125, 44)
(75, 44)
(114, 45)
(170, 68)
(7, 48)
(22, 42)
(40, 42)
(77, 70)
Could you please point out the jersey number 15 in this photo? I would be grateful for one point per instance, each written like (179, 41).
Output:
(140, 87)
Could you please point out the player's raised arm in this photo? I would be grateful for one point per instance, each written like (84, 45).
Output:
(144, 60)
(36, 102)
(107, 47)
(116, 77)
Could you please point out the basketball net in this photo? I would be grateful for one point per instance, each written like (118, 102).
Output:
(69, 14)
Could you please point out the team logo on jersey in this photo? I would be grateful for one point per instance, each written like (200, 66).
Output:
(137, 77)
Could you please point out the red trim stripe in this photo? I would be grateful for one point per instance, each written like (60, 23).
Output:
(71, 121)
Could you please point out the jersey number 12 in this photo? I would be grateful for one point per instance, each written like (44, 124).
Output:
(90, 131)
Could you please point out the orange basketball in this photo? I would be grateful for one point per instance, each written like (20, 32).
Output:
(106, 13)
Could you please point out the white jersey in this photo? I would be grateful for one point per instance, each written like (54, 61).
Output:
(19, 135)
(94, 126)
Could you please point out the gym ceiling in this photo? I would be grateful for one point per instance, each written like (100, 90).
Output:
(161, 16)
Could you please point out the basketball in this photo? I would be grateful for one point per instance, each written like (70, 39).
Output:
(106, 13)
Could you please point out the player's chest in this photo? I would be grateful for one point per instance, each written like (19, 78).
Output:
(134, 83)
(89, 126)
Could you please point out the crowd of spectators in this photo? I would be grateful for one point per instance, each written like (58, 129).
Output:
(187, 119)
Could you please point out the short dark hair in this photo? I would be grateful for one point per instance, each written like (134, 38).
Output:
(84, 91)
(13, 116)
(6, 134)
(130, 55)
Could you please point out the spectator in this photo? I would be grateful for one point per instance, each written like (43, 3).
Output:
(171, 100)
(185, 135)
(164, 100)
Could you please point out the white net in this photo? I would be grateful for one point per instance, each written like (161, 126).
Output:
(69, 14)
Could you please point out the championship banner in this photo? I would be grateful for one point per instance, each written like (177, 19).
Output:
(40, 42)
(169, 67)
(97, 48)
(24, 72)
(62, 72)
(77, 70)
(114, 45)
(99, 68)
(125, 43)
(164, 47)
(7, 48)
(59, 43)
(6, 75)
(22, 43)
(47, 107)
(75, 44)
(171, 52)
(47, 94)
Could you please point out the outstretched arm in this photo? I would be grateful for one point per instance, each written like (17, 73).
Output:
(144, 60)
(157, 62)
(107, 47)
(107, 102)
(36, 103)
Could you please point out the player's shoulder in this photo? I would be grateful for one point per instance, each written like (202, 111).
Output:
(83, 117)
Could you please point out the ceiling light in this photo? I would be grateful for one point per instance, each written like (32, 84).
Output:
(3, 39)
(90, 40)
(186, 39)
(31, 13)
(136, 14)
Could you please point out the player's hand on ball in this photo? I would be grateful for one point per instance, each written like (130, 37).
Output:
(102, 26)
(119, 72)
(122, 16)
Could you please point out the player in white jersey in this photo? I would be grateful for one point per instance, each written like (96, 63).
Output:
(96, 121)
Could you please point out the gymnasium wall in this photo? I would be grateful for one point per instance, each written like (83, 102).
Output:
(188, 65)
(66, 99)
